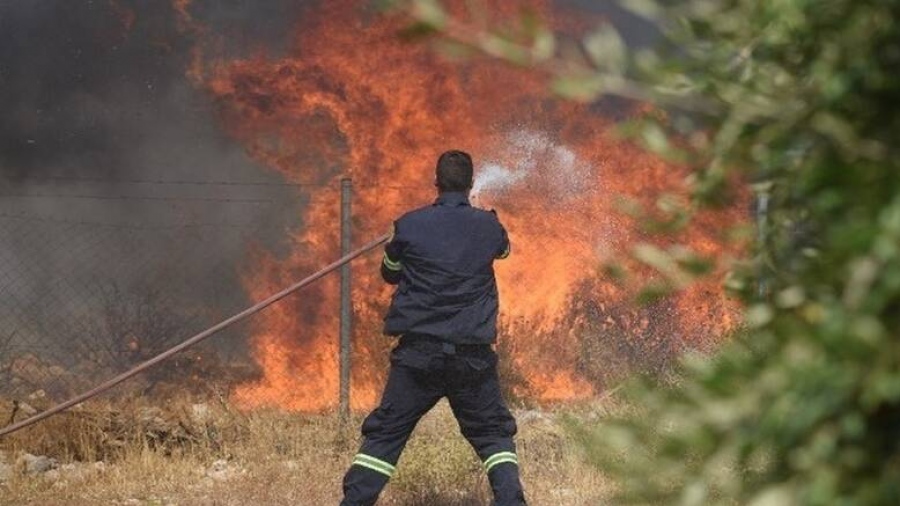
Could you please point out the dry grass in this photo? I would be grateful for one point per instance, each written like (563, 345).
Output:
(209, 454)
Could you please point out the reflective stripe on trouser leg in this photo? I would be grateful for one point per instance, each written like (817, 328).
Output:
(500, 458)
(377, 465)
(390, 264)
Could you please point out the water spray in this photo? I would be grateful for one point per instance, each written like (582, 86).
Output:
(529, 155)
(99, 389)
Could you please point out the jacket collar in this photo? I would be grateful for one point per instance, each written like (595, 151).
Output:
(452, 199)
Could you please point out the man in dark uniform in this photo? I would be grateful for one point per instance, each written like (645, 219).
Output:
(445, 311)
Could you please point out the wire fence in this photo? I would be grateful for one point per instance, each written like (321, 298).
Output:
(96, 280)
(81, 301)
(98, 275)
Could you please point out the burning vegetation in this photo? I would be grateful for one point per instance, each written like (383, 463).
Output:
(349, 98)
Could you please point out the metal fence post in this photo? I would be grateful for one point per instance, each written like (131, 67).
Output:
(346, 310)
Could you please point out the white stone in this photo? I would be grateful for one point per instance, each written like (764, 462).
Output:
(37, 395)
(6, 471)
(220, 470)
(34, 464)
(26, 408)
(200, 413)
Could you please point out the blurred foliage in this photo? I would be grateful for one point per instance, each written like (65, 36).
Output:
(801, 97)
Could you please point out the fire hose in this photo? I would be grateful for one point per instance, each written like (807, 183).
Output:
(103, 387)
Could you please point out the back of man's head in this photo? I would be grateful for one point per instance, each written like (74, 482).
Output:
(454, 172)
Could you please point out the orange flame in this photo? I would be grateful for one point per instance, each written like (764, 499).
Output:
(352, 100)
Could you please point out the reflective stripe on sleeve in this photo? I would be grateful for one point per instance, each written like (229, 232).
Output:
(377, 465)
(499, 458)
(390, 264)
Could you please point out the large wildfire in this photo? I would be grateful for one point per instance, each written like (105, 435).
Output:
(350, 99)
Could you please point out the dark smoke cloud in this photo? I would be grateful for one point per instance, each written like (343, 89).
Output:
(86, 83)
(77, 80)
(248, 26)
(94, 101)
(97, 90)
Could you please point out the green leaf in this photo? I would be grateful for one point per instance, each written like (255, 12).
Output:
(615, 272)
(584, 88)
(430, 12)
(654, 137)
(790, 297)
(502, 46)
(663, 262)
(454, 50)
(386, 5)
(647, 9)
(758, 315)
(544, 46)
(416, 31)
(653, 292)
(606, 49)
(777, 495)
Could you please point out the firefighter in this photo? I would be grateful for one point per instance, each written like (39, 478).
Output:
(444, 311)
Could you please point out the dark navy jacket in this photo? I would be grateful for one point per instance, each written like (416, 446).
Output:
(441, 259)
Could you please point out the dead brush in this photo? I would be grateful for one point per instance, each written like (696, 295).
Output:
(166, 451)
(105, 429)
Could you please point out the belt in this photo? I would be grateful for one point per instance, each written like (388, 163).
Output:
(433, 345)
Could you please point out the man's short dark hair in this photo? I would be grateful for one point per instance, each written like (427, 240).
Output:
(454, 171)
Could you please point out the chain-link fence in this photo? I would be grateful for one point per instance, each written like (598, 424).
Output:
(81, 301)
(87, 295)
(89, 291)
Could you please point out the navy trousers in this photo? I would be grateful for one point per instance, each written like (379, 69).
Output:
(422, 372)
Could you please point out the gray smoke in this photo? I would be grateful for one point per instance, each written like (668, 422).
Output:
(100, 123)
(116, 178)
(90, 87)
